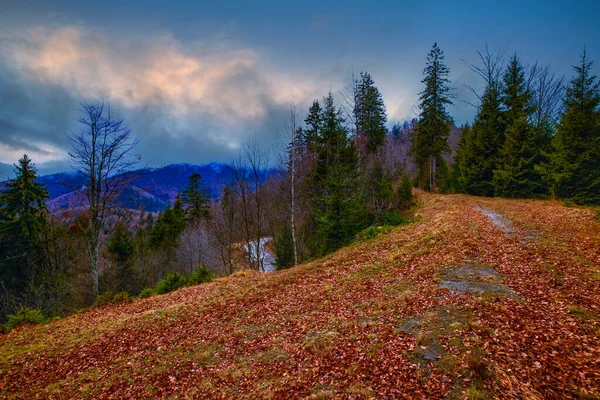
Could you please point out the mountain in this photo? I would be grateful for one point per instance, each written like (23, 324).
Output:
(151, 189)
(480, 299)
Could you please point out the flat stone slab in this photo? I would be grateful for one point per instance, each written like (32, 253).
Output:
(474, 280)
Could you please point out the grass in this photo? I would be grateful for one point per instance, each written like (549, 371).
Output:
(348, 325)
(581, 313)
(320, 342)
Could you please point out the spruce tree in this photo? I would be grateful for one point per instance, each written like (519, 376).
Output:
(516, 175)
(196, 199)
(337, 206)
(431, 137)
(479, 150)
(22, 219)
(284, 251)
(314, 124)
(575, 164)
(369, 113)
(121, 248)
(168, 227)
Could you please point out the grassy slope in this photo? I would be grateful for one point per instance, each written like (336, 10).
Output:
(369, 321)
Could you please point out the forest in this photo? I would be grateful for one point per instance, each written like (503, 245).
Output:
(339, 176)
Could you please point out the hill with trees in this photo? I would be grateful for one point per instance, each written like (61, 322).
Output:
(445, 294)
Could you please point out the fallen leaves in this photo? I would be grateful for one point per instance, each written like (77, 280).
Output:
(368, 321)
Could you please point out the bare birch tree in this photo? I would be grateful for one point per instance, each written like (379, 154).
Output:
(291, 161)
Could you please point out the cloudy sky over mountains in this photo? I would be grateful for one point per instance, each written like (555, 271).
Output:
(195, 80)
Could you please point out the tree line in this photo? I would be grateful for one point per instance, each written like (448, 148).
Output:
(340, 176)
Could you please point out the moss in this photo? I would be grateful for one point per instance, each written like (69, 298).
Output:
(320, 342)
(581, 312)
(271, 356)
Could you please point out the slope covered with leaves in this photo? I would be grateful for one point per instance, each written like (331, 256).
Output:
(479, 298)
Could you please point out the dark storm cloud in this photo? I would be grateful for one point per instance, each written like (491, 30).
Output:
(195, 103)
(33, 117)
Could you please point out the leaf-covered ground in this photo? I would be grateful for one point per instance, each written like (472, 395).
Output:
(480, 298)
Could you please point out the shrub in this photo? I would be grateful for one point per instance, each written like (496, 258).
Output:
(368, 233)
(174, 280)
(121, 297)
(199, 275)
(24, 316)
(147, 292)
(405, 192)
(392, 219)
(103, 299)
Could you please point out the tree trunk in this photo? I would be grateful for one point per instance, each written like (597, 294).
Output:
(433, 173)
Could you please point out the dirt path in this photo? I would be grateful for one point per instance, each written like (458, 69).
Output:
(453, 306)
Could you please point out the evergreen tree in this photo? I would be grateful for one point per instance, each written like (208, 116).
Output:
(405, 195)
(479, 150)
(369, 113)
(516, 175)
(168, 227)
(337, 209)
(21, 222)
(196, 199)
(314, 124)
(575, 165)
(121, 248)
(431, 138)
(380, 190)
(284, 251)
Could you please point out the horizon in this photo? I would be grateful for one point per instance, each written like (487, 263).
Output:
(195, 83)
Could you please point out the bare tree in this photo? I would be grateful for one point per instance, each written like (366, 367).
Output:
(257, 162)
(293, 131)
(103, 153)
(490, 70)
(196, 249)
(547, 89)
(242, 191)
(223, 224)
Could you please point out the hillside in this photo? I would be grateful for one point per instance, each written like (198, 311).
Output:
(479, 298)
(151, 189)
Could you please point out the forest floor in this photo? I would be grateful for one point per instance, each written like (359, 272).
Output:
(479, 298)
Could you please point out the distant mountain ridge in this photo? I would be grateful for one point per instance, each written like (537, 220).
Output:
(151, 189)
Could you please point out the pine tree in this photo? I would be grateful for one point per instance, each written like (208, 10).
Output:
(314, 124)
(121, 248)
(575, 165)
(479, 151)
(22, 219)
(337, 206)
(168, 227)
(196, 199)
(284, 251)
(516, 175)
(431, 138)
(369, 113)
(379, 189)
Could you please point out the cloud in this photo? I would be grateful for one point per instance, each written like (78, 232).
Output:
(211, 76)
(193, 102)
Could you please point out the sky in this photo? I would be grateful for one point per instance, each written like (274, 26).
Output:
(196, 80)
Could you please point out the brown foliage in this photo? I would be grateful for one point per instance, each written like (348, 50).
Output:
(338, 327)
